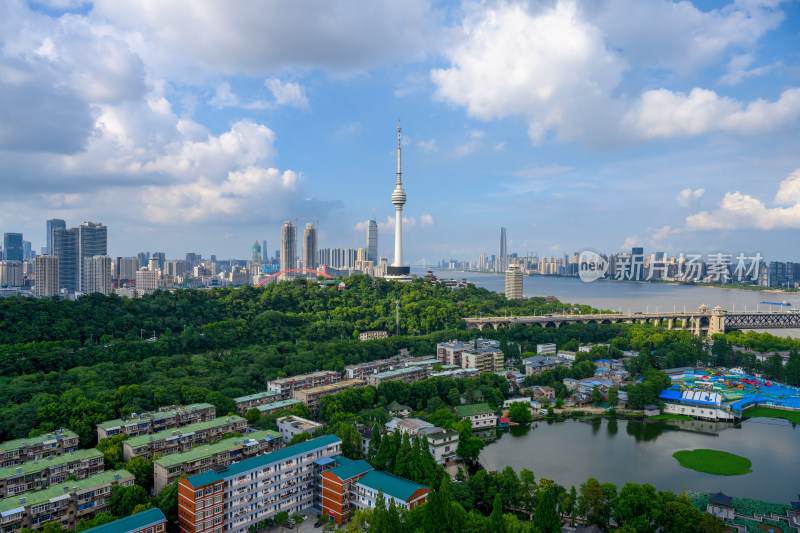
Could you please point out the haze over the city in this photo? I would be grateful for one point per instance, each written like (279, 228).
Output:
(603, 124)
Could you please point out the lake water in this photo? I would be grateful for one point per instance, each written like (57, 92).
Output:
(640, 451)
(637, 297)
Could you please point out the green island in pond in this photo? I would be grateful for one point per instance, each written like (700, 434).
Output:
(713, 462)
(768, 412)
(669, 416)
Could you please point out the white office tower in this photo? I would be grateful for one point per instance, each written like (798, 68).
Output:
(397, 271)
(288, 251)
(97, 274)
(46, 272)
(310, 247)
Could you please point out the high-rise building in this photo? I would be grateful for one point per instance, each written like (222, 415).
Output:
(310, 247)
(147, 281)
(10, 273)
(175, 269)
(93, 241)
(12, 247)
(97, 274)
(264, 253)
(503, 257)
(126, 268)
(65, 247)
(26, 250)
(288, 250)
(51, 224)
(397, 269)
(513, 283)
(143, 258)
(47, 277)
(372, 241)
(153, 264)
(162, 258)
(256, 253)
(192, 260)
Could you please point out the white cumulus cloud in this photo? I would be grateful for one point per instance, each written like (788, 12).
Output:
(686, 196)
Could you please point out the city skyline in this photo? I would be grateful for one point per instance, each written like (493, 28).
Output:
(679, 138)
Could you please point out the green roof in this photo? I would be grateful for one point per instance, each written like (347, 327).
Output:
(474, 409)
(351, 470)
(278, 405)
(141, 440)
(262, 460)
(391, 485)
(394, 406)
(256, 396)
(54, 491)
(117, 422)
(134, 522)
(395, 372)
(30, 467)
(18, 443)
(200, 452)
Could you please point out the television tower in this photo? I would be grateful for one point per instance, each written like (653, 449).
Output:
(399, 200)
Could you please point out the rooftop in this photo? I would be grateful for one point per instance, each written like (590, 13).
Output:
(395, 372)
(278, 405)
(392, 485)
(351, 470)
(256, 396)
(20, 443)
(344, 384)
(263, 460)
(54, 491)
(141, 440)
(201, 452)
(395, 406)
(133, 522)
(118, 422)
(30, 467)
(474, 409)
(310, 375)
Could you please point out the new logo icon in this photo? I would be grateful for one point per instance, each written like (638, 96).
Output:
(591, 265)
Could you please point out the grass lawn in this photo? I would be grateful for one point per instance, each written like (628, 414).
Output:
(713, 462)
(670, 416)
(767, 412)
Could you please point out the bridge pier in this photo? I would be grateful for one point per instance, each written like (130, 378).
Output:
(670, 323)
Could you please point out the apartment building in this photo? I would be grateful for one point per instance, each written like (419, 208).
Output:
(408, 375)
(442, 443)
(42, 473)
(338, 484)
(312, 396)
(484, 359)
(274, 407)
(59, 442)
(149, 521)
(480, 415)
(231, 499)
(406, 494)
(148, 423)
(181, 439)
(65, 503)
(449, 353)
(363, 370)
(294, 425)
(245, 403)
(203, 458)
(286, 386)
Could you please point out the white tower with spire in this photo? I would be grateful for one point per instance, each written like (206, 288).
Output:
(397, 270)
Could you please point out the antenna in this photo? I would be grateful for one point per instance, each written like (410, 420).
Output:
(399, 149)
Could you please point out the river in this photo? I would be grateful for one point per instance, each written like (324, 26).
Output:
(640, 451)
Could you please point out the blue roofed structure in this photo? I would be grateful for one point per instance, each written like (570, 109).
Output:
(133, 523)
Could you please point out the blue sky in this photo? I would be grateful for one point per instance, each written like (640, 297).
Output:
(189, 126)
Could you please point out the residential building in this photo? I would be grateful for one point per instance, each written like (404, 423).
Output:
(147, 281)
(10, 273)
(543, 392)
(65, 503)
(442, 443)
(545, 349)
(59, 442)
(51, 224)
(484, 359)
(47, 276)
(285, 386)
(310, 247)
(92, 241)
(513, 283)
(153, 422)
(233, 498)
(66, 247)
(37, 475)
(480, 415)
(407, 375)
(362, 370)
(149, 521)
(406, 494)
(312, 396)
(411, 426)
(372, 335)
(537, 364)
(294, 425)
(126, 268)
(97, 274)
(181, 439)
(274, 407)
(450, 352)
(288, 253)
(245, 403)
(207, 457)
(338, 486)
(175, 269)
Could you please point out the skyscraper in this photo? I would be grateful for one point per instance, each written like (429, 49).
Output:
(47, 277)
(288, 250)
(53, 223)
(513, 283)
(372, 241)
(12, 247)
(256, 253)
(93, 241)
(503, 257)
(398, 199)
(97, 274)
(264, 252)
(65, 248)
(310, 247)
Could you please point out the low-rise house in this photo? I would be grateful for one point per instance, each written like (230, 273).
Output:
(40, 474)
(564, 354)
(274, 407)
(207, 457)
(407, 375)
(149, 521)
(545, 349)
(292, 425)
(442, 443)
(313, 395)
(503, 421)
(406, 494)
(522, 399)
(570, 383)
(245, 403)
(397, 409)
(543, 392)
(480, 415)
(287, 386)
(64, 503)
(407, 425)
(534, 366)
(457, 374)
(372, 335)
(180, 440)
(153, 422)
(59, 442)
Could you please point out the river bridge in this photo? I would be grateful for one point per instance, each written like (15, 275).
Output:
(702, 322)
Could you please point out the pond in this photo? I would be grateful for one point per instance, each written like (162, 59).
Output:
(640, 451)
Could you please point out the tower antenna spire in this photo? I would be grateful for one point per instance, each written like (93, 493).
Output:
(399, 172)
